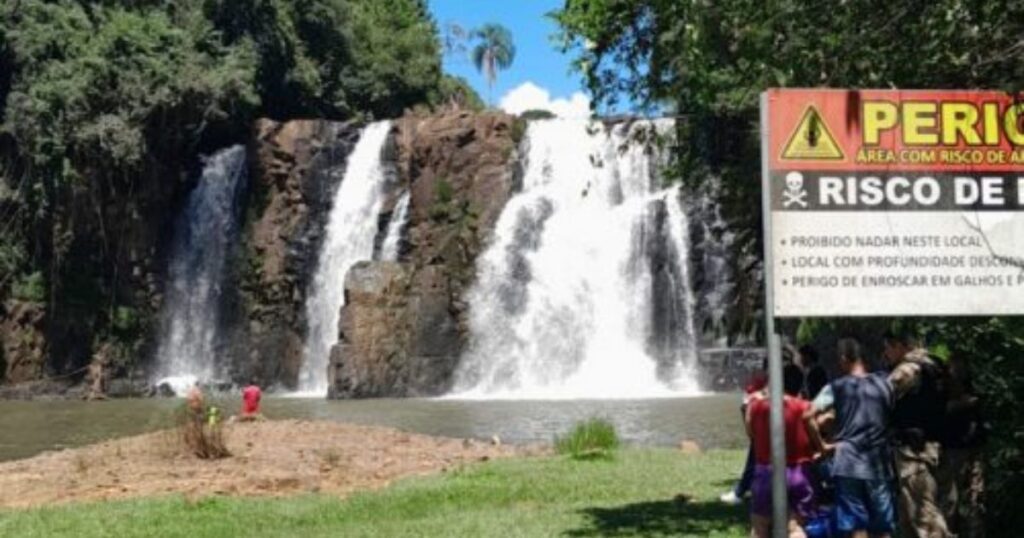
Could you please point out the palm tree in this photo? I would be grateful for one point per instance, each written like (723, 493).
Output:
(453, 39)
(494, 51)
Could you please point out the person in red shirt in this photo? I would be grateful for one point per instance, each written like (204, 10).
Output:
(753, 390)
(251, 396)
(799, 455)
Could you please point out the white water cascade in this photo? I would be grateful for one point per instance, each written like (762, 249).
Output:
(351, 229)
(584, 291)
(203, 233)
(393, 238)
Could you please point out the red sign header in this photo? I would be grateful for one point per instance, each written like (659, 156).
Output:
(940, 131)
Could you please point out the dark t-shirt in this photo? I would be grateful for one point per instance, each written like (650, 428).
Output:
(863, 412)
(815, 381)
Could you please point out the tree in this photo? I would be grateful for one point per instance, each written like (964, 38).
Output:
(455, 93)
(453, 39)
(495, 51)
(397, 57)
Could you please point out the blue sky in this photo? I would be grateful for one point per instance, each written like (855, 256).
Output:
(537, 60)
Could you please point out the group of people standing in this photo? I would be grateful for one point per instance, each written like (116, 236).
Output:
(896, 448)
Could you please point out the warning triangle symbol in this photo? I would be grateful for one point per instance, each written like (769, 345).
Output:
(812, 140)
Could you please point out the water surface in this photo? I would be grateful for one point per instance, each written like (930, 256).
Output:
(28, 428)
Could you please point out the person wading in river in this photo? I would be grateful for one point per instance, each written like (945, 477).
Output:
(251, 396)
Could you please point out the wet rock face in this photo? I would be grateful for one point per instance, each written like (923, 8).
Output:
(727, 275)
(295, 169)
(22, 341)
(398, 336)
(403, 325)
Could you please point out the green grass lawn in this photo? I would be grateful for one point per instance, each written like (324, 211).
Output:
(632, 495)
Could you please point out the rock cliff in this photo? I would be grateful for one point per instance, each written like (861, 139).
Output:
(403, 325)
(22, 341)
(295, 169)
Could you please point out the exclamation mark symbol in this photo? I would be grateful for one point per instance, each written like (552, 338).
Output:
(813, 130)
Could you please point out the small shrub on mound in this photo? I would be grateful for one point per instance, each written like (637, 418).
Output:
(589, 440)
(201, 431)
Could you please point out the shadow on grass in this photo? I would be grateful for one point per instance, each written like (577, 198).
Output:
(662, 518)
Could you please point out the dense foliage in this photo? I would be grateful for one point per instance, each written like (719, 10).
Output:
(106, 106)
(456, 92)
(718, 56)
(708, 61)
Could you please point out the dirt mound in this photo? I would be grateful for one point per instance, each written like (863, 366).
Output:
(269, 458)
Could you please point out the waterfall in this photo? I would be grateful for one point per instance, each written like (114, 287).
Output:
(584, 290)
(203, 233)
(351, 229)
(389, 250)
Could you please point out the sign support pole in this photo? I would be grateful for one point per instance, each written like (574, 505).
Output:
(780, 504)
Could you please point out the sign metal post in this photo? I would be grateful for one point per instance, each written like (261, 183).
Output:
(780, 511)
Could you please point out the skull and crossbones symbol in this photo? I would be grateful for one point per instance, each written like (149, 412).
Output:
(795, 192)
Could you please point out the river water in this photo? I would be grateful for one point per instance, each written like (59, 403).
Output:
(28, 428)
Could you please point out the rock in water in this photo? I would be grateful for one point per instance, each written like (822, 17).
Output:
(689, 447)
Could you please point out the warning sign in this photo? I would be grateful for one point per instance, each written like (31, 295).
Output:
(893, 203)
(812, 140)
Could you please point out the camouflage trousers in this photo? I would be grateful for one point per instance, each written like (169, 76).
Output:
(919, 501)
(961, 482)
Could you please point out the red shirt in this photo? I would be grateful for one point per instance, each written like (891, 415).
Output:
(798, 443)
(251, 400)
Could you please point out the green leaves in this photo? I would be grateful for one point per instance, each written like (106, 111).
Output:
(90, 86)
(494, 51)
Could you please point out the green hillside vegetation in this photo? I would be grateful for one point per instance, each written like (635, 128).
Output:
(105, 108)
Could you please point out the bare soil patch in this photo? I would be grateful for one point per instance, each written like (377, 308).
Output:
(270, 458)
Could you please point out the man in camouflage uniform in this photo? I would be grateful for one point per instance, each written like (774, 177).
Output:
(917, 420)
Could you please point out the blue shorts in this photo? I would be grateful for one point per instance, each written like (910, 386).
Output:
(865, 505)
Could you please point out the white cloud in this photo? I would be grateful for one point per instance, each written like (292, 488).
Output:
(528, 96)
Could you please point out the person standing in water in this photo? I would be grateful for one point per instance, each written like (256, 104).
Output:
(251, 396)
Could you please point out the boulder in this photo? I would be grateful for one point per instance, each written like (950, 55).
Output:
(689, 447)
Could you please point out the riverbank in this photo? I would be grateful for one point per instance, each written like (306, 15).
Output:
(712, 420)
(270, 458)
(642, 492)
